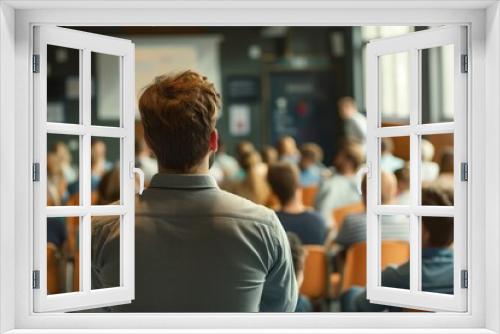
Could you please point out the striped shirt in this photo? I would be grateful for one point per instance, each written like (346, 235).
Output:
(354, 229)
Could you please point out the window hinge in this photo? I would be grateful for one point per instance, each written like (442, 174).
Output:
(36, 279)
(465, 64)
(465, 279)
(36, 172)
(36, 63)
(464, 172)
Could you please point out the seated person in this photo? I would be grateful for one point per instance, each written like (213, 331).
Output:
(341, 189)
(437, 258)
(298, 257)
(393, 227)
(310, 170)
(403, 178)
(389, 161)
(294, 216)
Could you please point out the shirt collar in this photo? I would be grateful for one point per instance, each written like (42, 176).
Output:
(183, 181)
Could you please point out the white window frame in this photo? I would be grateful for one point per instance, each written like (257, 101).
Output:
(484, 102)
(85, 43)
(413, 43)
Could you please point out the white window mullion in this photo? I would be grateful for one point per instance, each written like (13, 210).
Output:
(415, 244)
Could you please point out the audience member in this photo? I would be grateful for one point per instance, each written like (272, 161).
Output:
(109, 188)
(429, 169)
(253, 186)
(446, 167)
(308, 225)
(144, 161)
(56, 185)
(226, 163)
(354, 121)
(287, 149)
(208, 250)
(403, 178)
(298, 257)
(388, 161)
(311, 156)
(341, 189)
(269, 155)
(242, 148)
(98, 147)
(392, 227)
(69, 171)
(437, 258)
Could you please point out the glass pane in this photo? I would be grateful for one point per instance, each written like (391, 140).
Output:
(395, 89)
(63, 155)
(106, 90)
(106, 257)
(437, 254)
(105, 170)
(437, 84)
(63, 85)
(62, 255)
(437, 167)
(395, 251)
(395, 156)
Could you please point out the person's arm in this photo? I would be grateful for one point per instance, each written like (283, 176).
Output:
(280, 290)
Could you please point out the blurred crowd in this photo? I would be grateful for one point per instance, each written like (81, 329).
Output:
(316, 201)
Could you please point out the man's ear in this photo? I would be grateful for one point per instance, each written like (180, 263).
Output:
(214, 137)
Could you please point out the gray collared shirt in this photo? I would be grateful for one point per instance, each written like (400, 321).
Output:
(199, 249)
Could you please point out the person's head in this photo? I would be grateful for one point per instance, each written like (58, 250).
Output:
(269, 155)
(179, 113)
(437, 231)
(287, 146)
(427, 150)
(61, 149)
(347, 107)
(221, 146)
(386, 146)
(388, 187)
(242, 148)
(310, 154)
(350, 155)
(109, 187)
(446, 157)
(250, 160)
(298, 256)
(98, 148)
(53, 164)
(283, 177)
(403, 178)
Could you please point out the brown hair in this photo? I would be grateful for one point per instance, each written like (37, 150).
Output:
(109, 187)
(446, 163)
(298, 252)
(179, 113)
(352, 151)
(311, 152)
(284, 180)
(440, 228)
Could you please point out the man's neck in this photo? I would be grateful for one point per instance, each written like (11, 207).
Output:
(201, 169)
(295, 205)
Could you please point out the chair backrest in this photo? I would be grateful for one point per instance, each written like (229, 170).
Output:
(315, 283)
(308, 194)
(393, 252)
(53, 285)
(340, 213)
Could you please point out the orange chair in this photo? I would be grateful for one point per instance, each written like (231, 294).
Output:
(53, 285)
(354, 273)
(308, 194)
(340, 213)
(315, 285)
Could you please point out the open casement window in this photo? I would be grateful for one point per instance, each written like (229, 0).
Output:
(69, 121)
(431, 67)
